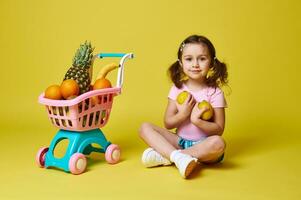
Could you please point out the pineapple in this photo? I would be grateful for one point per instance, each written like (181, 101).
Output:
(81, 70)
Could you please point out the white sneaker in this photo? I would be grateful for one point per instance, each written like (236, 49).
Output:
(151, 158)
(185, 163)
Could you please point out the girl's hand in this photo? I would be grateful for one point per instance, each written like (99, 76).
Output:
(197, 113)
(186, 108)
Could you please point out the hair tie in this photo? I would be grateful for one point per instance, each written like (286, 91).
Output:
(182, 46)
(179, 62)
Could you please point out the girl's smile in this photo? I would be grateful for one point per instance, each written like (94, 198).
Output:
(195, 70)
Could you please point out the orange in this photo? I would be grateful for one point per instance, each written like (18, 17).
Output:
(53, 92)
(69, 88)
(102, 83)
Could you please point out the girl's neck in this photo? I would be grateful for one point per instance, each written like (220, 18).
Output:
(195, 85)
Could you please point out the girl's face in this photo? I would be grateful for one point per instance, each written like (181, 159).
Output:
(195, 61)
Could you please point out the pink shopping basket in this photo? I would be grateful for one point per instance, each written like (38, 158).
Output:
(88, 111)
(83, 112)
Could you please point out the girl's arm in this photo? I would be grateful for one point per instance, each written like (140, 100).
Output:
(175, 114)
(215, 127)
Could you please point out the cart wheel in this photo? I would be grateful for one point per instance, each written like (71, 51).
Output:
(40, 157)
(77, 163)
(112, 154)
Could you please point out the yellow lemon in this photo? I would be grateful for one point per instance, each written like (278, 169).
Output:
(207, 114)
(182, 97)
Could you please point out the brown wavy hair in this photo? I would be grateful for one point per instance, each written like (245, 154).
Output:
(220, 74)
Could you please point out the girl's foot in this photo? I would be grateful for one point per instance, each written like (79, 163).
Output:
(185, 163)
(151, 158)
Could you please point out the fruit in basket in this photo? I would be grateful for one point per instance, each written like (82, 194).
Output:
(72, 97)
(101, 81)
(182, 97)
(69, 88)
(207, 114)
(106, 69)
(81, 70)
(101, 84)
(53, 92)
(95, 100)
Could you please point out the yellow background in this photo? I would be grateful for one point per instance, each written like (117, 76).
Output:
(260, 42)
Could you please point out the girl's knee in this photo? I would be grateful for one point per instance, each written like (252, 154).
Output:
(144, 128)
(216, 144)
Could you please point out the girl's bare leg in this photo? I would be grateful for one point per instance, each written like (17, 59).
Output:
(160, 139)
(166, 143)
(208, 150)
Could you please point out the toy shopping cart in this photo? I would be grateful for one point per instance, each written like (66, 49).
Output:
(79, 120)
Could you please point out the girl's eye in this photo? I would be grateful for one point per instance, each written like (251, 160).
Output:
(203, 58)
(188, 59)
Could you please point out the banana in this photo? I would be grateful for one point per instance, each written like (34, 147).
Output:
(106, 69)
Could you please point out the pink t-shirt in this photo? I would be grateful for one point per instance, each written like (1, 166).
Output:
(214, 96)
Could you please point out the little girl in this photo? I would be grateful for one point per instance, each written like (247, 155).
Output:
(199, 72)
